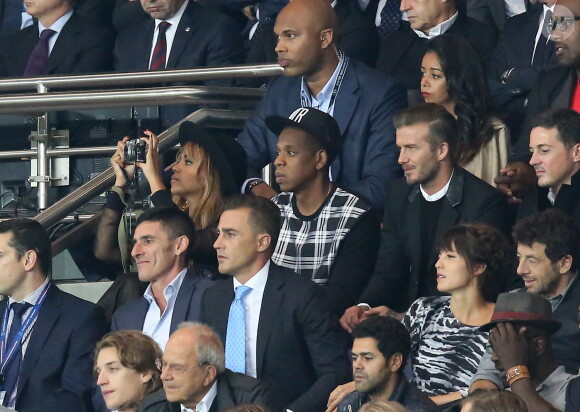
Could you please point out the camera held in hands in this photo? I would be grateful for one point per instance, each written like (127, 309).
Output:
(135, 151)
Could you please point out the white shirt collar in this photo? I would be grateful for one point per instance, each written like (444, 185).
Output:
(32, 298)
(436, 196)
(170, 290)
(438, 30)
(258, 281)
(176, 17)
(205, 404)
(57, 25)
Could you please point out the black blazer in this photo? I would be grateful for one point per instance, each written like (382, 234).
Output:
(301, 352)
(553, 90)
(82, 47)
(398, 269)
(400, 54)
(187, 306)
(488, 12)
(56, 373)
(515, 49)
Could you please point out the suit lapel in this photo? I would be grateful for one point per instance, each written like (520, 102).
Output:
(65, 42)
(562, 99)
(183, 34)
(273, 297)
(47, 317)
(183, 300)
(449, 214)
(414, 225)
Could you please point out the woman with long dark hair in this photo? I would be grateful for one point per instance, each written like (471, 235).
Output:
(452, 76)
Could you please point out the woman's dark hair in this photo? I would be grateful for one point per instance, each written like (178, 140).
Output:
(481, 244)
(467, 88)
(494, 401)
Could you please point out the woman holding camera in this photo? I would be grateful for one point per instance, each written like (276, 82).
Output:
(207, 169)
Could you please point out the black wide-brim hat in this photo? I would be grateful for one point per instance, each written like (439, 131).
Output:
(226, 154)
(523, 308)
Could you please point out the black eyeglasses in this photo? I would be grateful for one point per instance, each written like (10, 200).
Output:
(562, 23)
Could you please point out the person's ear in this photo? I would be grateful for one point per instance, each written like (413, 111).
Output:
(263, 242)
(565, 264)
(479, 269)
(182, 245)
(326, 37)
(321, 159)
(210, 375)
(30, 258)
(146, 377)
(576, 153)
(443, 151)
(395, 362)
(538, 346)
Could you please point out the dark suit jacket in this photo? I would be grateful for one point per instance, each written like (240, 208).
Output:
(400, 54)
(81, 47)
(515, 49)
(553, 90)
(364, 107)
(57, 369)
(488, 12)
(301, 351)
(187, 306)
(398, 269)
(232, 389)
(203, 38)
(567, 200)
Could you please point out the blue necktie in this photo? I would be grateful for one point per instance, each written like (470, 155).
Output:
(236, 333)
(39, 57)
(390, 19)
(13, 369)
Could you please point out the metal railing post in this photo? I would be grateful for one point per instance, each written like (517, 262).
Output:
(42, 177)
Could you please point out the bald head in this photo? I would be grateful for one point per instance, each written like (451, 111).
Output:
(305, 31)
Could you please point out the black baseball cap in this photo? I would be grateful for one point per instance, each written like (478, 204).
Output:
(316, 123)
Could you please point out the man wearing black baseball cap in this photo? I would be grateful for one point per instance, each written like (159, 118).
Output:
(328, 234)
(521, 340)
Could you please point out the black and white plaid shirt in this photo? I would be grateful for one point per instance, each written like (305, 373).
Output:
(309, 244)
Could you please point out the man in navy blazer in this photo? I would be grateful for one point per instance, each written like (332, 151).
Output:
(201, 37)
(292, 341)
(51, 369)
(317, 74)
(78, 46)
(161, 252)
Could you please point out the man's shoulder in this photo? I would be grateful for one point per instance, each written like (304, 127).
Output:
(239, 382)
(474, 185)
(157, 402)
(291, 281)
(81, 306)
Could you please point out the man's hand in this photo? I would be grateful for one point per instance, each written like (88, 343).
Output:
(263, 190)
(515, 180)
(382, 311)
(352, 317)
(337, 395)
(509, 345)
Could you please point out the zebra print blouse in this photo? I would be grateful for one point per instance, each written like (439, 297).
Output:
(445, 353)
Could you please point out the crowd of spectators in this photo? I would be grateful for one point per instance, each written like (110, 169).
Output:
(238, 295)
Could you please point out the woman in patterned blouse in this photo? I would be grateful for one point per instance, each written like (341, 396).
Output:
(446, 343)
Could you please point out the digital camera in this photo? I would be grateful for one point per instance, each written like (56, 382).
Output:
(135, 151)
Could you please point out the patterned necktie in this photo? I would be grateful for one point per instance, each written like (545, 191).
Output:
(158, 60)
(543, 42)
(390, 19)
(13, 369)
(37, 61)
(236, 333)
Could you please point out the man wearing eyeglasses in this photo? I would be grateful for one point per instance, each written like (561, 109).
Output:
(556, 88)
(195, 377)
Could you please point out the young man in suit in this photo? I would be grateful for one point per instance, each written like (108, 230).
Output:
(435, 195)
(275, 324)
(195, 377)
(318, 74)
(48, 335)
(161, 252)
(59, 42)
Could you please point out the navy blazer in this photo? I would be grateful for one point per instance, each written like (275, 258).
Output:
(301, 351)
(81, 47)
(398, 268)
(187, 306)
(364, 108)
(203, 38)
(56, 373)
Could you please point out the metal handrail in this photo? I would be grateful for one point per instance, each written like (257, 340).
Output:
(149, 77)
(53, 214)
(31, 103)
